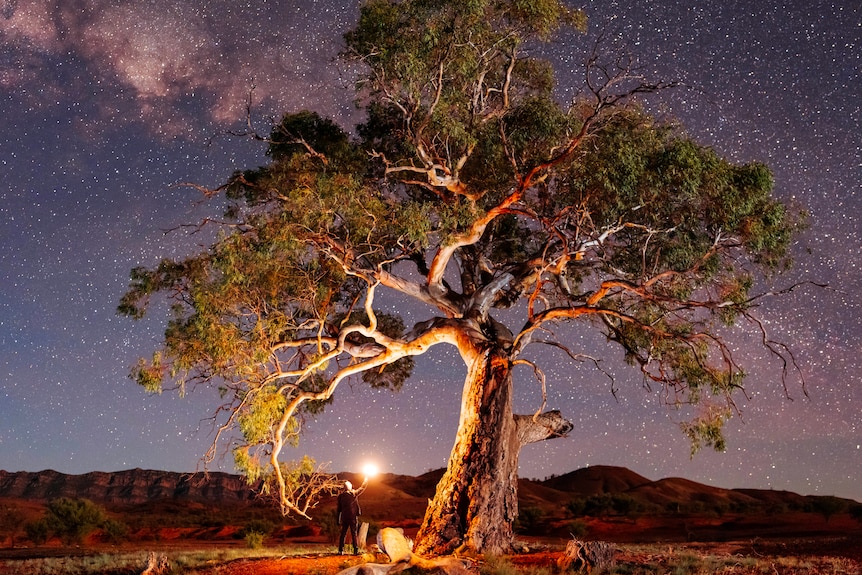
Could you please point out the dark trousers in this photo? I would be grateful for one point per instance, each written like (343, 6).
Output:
(351, 525)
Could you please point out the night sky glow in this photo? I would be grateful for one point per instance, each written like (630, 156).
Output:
(105, 105)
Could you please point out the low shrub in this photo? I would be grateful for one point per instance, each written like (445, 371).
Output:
(254, 540)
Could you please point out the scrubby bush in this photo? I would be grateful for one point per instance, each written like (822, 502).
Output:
(827, 506)
(604, 504)
(255, 531)
(11, 520)
(73, 519)
(254, 540)
(115, 531)
(576, 507)
(329, 525)
(264, 526)
(577, 529)
(529, 520)
(37, 531)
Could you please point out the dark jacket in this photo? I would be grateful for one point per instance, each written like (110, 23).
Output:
(348, 507)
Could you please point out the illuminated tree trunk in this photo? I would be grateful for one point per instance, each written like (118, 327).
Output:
(477, 498)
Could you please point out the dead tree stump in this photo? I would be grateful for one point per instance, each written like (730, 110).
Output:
(361, 537)
(587, 555)
(156, 565)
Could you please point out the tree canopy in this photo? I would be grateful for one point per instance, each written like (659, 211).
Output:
(468, 188)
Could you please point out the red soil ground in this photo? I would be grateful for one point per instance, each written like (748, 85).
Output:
(641, 541)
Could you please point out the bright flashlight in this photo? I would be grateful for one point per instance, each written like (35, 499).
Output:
(370, 470)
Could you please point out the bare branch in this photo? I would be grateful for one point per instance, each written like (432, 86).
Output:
(540, 376)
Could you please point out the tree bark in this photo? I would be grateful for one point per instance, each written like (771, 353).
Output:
(477, 500)
(541, 426)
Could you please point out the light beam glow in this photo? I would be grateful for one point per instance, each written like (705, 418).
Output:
(370, 470)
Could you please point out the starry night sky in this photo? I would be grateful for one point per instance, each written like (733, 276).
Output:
(106, 105)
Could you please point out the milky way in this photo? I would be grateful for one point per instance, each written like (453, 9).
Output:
(106, 106)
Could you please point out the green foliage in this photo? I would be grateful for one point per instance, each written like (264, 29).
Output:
(254, 540)
(38, 531)
(255, 532)
(706, 429)
(266, 408)
(603, 504)
(577, 529)
(391, 375)
(535, 127)
(576, 507)
(328, 522)
(322, 135)
(73, 519)
(262, 526)
(651, 175)
(469, 189)
(529, 520)
(408, 45)
(115, 531)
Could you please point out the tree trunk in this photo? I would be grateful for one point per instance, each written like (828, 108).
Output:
(477, 499)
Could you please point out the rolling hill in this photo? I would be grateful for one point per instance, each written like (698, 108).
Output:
(391, 493)
(606, 502)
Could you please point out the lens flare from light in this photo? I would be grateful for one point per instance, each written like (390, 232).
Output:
(370, 470)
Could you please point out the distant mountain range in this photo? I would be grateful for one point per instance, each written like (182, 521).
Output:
(133, 486)
(666, 493)
(594, 485)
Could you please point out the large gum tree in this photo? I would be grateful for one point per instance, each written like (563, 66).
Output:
(468, 189)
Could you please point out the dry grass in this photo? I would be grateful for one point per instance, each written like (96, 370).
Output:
(697, 564)
(116, 563)
(787, 557)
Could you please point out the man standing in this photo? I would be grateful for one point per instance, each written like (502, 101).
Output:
(348, 515)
